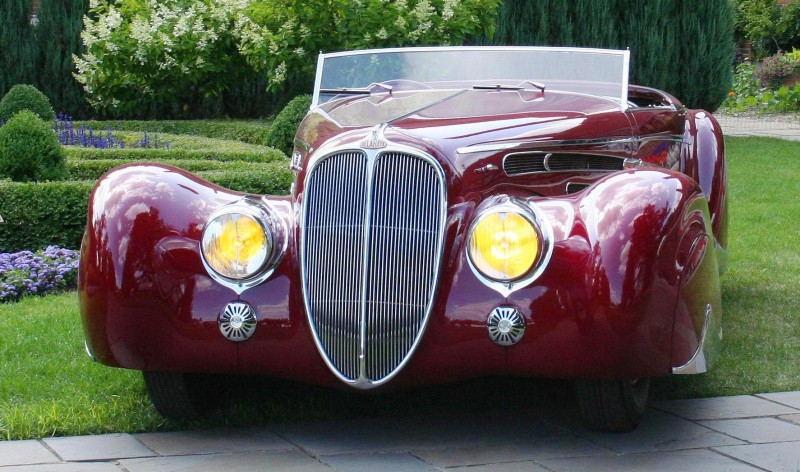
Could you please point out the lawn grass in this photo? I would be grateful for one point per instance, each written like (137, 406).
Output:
(761, 317)
(49, 387)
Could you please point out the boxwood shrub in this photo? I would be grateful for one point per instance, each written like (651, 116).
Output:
(252, 132)
(26, 97)
(29, 150)
(281, 133)
(38, 215)
(93, 169)
(267, 155)
(41, 214)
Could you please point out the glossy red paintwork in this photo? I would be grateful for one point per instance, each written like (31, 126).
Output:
(632, 270)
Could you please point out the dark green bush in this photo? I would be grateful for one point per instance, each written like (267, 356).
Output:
(270, 155)
(281, 134)
(684, 48)
(29, 150)
(38, 215)
(26, 97)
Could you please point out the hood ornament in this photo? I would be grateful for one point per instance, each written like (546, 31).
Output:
(375, 141)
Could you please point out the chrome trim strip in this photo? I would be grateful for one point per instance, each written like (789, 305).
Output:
(372, 156)
(697, 363)
(531, 212)
(495, 147)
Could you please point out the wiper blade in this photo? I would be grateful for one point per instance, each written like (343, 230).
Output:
(521, 86)
(358, 90)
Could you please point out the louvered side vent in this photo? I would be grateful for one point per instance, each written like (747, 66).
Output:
(371, 258)
(539, 162)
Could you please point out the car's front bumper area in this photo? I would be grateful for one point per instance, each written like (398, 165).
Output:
(624, 294)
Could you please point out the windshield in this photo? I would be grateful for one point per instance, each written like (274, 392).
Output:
(599, 72)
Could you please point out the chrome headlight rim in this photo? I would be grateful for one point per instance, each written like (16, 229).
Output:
(274, 229)
(534, 216)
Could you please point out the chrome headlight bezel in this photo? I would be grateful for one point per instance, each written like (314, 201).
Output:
(275, 232)
(534, 216)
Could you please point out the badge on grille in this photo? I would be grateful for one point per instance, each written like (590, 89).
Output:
(506, 325)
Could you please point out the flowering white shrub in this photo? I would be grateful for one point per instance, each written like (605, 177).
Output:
(140, 52)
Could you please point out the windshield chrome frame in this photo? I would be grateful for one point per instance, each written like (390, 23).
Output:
(625, 53)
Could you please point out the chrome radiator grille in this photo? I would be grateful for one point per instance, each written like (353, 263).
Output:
(372, 240)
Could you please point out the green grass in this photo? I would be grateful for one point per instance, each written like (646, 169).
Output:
(49, 387)
(761, 289)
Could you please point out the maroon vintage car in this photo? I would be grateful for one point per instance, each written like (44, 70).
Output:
(456, 212)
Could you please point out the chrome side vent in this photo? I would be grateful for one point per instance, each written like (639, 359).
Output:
(371, 249)
(540, 162)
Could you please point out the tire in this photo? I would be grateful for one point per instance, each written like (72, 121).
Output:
(614, 406)
(181, 396)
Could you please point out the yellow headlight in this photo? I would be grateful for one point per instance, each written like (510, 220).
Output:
(235, 245)
(504, 245)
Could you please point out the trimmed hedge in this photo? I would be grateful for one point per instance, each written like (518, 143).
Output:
(43, 214)
(38, 215)
(251, 132)
(272, 179)
(93, 169)
(269, 155)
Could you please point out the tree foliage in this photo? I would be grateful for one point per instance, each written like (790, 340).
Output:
(681, 46)
(768, 26)
(140, 52)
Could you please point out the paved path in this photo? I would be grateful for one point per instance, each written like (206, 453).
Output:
(766, 127)
(741, 433)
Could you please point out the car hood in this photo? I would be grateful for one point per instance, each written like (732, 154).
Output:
(450, 119)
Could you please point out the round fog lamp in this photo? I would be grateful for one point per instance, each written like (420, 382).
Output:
(504, 245)
(236, 245)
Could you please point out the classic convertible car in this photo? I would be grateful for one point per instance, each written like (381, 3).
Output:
(455, 212)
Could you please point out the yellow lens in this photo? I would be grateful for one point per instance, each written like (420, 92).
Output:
(504, 245)
(235, 245)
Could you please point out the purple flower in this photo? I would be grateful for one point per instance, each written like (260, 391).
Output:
(26, 273)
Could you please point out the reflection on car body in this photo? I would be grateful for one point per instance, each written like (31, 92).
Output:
(456, 212)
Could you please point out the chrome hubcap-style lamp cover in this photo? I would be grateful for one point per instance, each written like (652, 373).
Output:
(238, 321)
(506, 325)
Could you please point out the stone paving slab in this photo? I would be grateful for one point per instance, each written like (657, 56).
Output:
(544, 448)
(25, 452)
(777, 457)
(503, 467)
(213, 441)
(741, 406)
(791, 399)
(99, 447)
(395, 462)
(70, 467)
(406, 434)
(662, 432)
(792, 418)
(284, 461)
(757, 430)
(692, 460)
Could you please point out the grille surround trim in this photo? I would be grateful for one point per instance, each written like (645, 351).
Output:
(372, 156)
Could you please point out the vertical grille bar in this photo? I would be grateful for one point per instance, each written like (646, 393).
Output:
(334, 239)
(402, 241)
